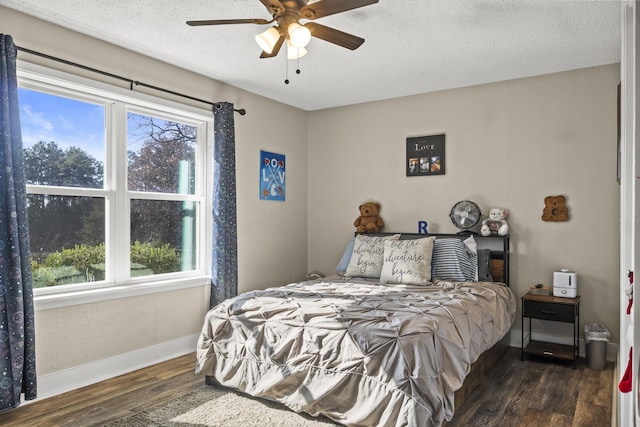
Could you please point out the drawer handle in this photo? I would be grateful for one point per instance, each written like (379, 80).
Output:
(548, 312)
(548, 353)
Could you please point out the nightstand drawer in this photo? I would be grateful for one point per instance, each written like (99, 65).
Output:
(549, 311)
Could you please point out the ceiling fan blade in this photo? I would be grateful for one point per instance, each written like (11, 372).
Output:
(276, 49)
(323, 8)
(273, 6)
(228, 21)
(334, 36)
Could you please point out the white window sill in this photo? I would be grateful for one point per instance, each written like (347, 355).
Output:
(66, 299)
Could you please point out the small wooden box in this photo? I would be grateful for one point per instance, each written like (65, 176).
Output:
(544, 290)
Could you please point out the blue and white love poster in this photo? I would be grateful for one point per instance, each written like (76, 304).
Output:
(272, 176)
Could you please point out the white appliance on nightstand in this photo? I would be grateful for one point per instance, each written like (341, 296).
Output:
(565, 283)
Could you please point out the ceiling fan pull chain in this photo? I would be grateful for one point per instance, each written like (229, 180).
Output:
(286, 71)
(298, 62)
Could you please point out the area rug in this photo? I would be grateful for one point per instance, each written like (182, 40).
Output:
(216, 407)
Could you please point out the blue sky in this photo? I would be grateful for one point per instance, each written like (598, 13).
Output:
(72, 123)
(67, 122)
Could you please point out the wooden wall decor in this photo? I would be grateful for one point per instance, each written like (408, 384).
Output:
(555, 209)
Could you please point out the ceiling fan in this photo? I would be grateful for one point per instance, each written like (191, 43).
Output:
(287, 15)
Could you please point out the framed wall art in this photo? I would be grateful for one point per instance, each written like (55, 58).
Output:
(272, 176)
(425, 155)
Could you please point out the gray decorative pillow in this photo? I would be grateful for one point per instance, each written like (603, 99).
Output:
(368, 256)
(484, 265)
(407, 261)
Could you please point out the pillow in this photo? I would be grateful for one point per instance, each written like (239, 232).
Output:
(407, 261)
(470, 242)
(473, 247)
(484, 265)
(453, 260)
(346, 256)
(367, 256)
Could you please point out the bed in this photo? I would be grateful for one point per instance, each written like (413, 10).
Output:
(386, 342)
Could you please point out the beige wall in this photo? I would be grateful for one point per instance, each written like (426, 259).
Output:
(508, 144)
(272, 236)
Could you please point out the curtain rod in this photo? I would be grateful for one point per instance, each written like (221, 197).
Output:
(241, 111)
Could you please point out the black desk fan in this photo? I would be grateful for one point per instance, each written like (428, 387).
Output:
(465, 215)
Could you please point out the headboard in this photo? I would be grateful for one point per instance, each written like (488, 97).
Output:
(498, 245)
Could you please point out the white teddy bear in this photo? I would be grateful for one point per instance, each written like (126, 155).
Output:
(496, 223)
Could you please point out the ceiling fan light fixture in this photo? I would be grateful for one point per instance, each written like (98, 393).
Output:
(295, 52)
(286, 14)
(268, 39)
(299, 35)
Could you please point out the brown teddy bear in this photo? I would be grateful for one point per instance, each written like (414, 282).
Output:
(369, 221)
(555, 209)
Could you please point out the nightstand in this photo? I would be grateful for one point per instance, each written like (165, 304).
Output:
(548, 307)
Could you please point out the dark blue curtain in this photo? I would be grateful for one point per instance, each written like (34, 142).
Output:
(17, 333)
(224, 263)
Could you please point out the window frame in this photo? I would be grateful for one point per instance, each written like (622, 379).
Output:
(118, 102)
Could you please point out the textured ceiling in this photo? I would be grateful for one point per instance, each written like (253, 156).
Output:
(411, 47)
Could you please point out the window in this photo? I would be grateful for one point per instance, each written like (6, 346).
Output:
(161, 181)
(115, 185)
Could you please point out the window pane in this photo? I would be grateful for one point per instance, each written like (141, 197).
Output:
(63, 140)
(67, 239)
(163, 236)
(161, 155)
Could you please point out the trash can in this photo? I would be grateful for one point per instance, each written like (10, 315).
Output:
(596, 338)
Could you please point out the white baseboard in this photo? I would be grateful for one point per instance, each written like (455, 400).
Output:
(80, 376)
(515, 340)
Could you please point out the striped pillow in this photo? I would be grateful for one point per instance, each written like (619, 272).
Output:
(453, 260)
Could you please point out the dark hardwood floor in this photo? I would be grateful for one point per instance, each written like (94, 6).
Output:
(536, 392)
(540, 392)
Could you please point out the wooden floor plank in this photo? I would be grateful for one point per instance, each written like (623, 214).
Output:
(537, 418)
(558, 392)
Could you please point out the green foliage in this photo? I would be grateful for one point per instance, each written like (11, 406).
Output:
(54, 276)
(48, 164)
(85, 263)
(57, 221)
(80, 257)
(161, 258)
(164, 163)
